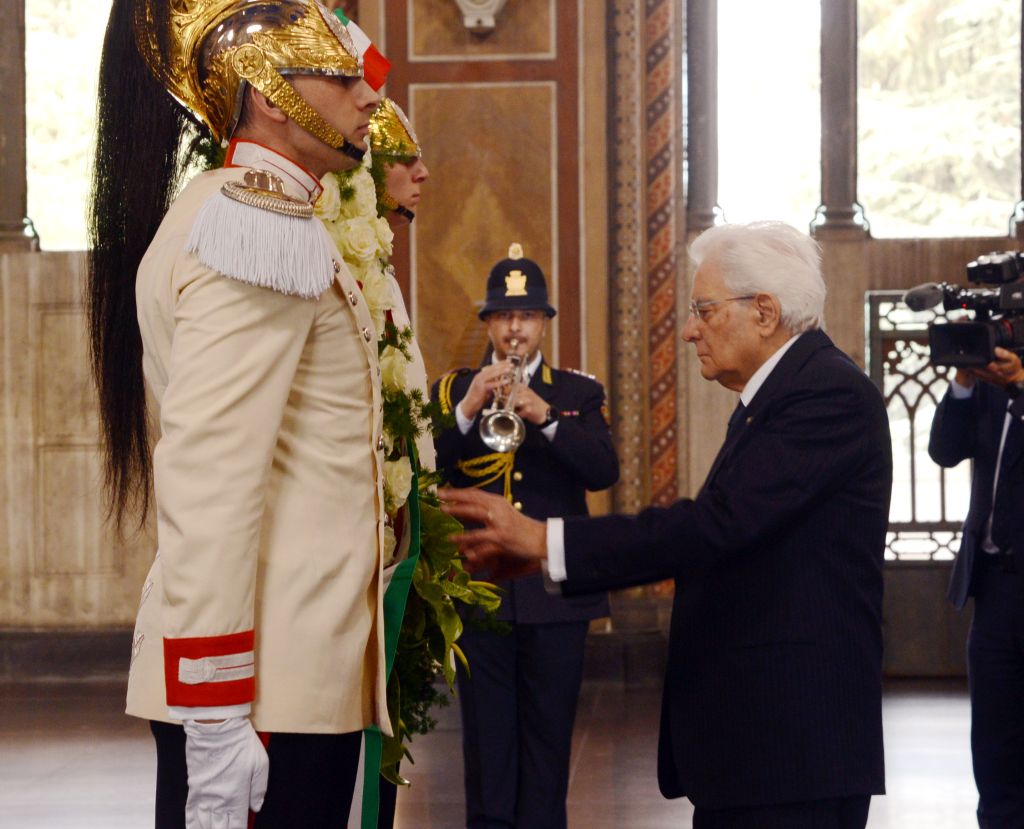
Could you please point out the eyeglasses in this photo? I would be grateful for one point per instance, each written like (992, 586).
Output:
(701, 309)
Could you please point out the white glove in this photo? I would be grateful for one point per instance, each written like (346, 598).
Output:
(227, 773)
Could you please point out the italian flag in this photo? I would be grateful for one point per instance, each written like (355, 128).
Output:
(375, 65)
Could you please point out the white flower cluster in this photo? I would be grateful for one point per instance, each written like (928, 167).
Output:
(365, 243)
(363, 238)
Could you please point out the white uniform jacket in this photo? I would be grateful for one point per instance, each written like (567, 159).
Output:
(268, 474)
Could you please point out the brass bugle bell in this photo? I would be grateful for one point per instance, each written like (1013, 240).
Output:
(501, 429)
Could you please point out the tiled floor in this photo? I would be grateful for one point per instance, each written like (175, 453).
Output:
(70, 759)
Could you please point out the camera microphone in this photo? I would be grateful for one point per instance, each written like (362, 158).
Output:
(923, 297)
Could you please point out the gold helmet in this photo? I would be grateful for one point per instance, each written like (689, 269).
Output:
(391, 134)
(392, 140)
(203, 51)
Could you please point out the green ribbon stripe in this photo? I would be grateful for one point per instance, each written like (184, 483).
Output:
(395, 598)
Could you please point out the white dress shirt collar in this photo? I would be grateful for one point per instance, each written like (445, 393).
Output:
(758, 377)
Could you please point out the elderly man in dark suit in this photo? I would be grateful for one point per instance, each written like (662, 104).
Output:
(982, 421)
(771, 713)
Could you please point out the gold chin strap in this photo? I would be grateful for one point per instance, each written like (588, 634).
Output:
(389, 202)
(251, 65)
(488, 468)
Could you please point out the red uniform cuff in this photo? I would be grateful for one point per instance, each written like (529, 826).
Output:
(210, 670)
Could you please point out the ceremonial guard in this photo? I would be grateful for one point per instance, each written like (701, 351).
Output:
(398, 168)
(540, 437)
(244, 354)
(398, 174)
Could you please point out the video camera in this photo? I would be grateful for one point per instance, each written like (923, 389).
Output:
(998, 311)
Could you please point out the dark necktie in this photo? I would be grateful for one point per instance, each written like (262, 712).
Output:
(735, 421)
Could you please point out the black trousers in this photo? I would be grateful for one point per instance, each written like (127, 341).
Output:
(995, 663)
(837, 813)
(518, 708)
(311, 779)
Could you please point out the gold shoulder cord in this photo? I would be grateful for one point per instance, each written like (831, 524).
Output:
(267, 200)
(251, 65)
(444, 392)
(488, 468)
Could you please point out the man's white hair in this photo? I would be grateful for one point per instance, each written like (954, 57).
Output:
(768, 258)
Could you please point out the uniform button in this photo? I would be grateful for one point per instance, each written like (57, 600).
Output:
(353, 298)
(337, 268)
(518, 505)
(380, 443)
(366, 334)
(517, 475)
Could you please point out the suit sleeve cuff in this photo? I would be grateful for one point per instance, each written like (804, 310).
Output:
(464, 423)
(556, 550)
(960, 392)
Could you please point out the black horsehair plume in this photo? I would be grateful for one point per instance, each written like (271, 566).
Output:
(145, 141)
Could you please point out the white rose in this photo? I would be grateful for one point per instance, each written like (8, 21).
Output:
(390, 543)
(357, 240)
(397, 483)
(347, 194)
(377, 293)
(328, 206)
(366, 194)
(360, 271)
(392, 369)
(384, 234)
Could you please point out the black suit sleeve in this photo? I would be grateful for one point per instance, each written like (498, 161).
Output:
(954, 430)
(808, 445)
(584, 443)
(451, 443)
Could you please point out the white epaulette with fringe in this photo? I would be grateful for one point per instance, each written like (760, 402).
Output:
(265, 240)
(582, 373)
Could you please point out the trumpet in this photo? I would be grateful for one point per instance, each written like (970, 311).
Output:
(501, 429)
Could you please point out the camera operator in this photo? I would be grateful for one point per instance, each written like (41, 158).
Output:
(982, 421)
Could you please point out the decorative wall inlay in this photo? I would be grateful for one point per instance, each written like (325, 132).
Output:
(628, 290)
(662, 125)
(647, 232)
(501, 138)
(437, 31)
(493, 202)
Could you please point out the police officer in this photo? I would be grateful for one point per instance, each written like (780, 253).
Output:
(519, 699)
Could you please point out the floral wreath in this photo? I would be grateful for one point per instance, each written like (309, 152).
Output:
(431, 625)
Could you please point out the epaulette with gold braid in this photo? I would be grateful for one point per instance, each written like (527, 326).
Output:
(252, 232)
(444, 389)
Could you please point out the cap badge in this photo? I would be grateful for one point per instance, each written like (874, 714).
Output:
(515, 283)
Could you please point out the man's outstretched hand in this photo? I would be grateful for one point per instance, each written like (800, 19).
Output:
(508, 544)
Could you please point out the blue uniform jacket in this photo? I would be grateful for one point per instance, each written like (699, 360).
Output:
(548, 478)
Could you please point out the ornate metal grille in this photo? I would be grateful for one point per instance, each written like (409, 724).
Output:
(928, 503)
